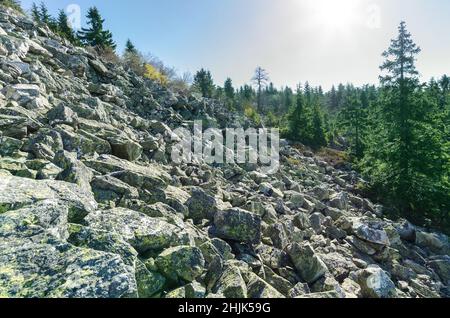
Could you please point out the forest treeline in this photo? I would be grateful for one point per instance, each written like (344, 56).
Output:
(396, 134)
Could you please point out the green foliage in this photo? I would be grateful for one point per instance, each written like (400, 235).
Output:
(64, 28)
(95, 35)
(353, 122)
(306, 121)
(203, 83)
(14, 4)
(407, 156)
(130, 48)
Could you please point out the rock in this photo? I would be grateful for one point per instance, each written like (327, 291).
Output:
(238, 225)
(108, 188)
(370, 233)
(339, 201)
(267, 189)
(231, 284)
(9, 147)
(99, 67)
(296, 198)
(140, 231)
(258, 288)
(407, 231)
(148, 283)
(125, 149)
(148, 176)
(184, 262)
(201, 205)
(375, 283)
(441, 265)
(57, 270)
(20, 192)
(321, 193)
(62, 115)
(307, 262)
(74, 171)
(435, 242)
(300, 289)
(100, 240)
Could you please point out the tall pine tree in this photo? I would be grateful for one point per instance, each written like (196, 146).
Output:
(95, 35)
(405, 143)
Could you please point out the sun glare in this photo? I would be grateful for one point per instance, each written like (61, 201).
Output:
(334, 14)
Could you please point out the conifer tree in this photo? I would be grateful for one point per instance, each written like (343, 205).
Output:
(95, 35)
(229, 89)
(298, 120)
(130, 48)
(203, 82)
(64, 28)
(35, 13)
(405, 141)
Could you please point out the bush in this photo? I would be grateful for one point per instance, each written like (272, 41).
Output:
(154, 74)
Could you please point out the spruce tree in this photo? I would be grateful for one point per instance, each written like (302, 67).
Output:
(203, 82)
(130, 48)
(95, 35)
(298, 120)
(35, 13)
(64, 28)
(354, 120)
(318, 137)
(405, 143)
(229, 89)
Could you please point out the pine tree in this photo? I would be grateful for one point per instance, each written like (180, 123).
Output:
(203, 82)
(64, 28)
(130, 48)
(46, 18)
(95, 35)
(35, 13)
(405, 141)
(318, 137)
(298, 120)
(229, 89)
(354, 121)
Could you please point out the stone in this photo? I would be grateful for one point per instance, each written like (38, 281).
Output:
(435, 242)
(125, 148)
(375, 283)
(258, 288)
(339, 201)
(140, 231)
(369, 233)
(19, 192)
(201, 205)
(231, 284)
(238, 225)
(307, 262)
(184, 262)
(268, 190)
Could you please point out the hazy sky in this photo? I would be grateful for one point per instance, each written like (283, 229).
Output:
(322, 41)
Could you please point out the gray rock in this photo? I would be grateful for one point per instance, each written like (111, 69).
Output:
(375, 283)
(238, 225)
(307, 262)
(184, 262)
(142, 232)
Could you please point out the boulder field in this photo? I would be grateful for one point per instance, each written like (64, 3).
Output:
(91, 205)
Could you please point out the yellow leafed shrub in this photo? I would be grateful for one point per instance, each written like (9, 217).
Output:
(152, 73)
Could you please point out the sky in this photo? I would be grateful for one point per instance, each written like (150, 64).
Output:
(325, 42)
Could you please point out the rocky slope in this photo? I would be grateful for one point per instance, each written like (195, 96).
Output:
(91, 206)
